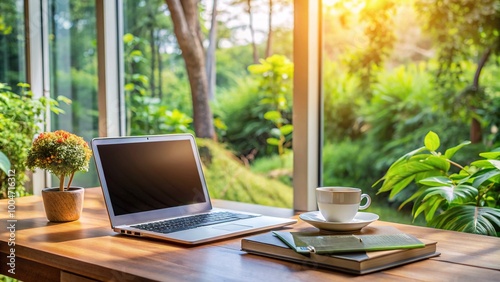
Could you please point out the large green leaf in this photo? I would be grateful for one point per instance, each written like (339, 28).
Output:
(490, 155)
(451, 151)
(401, 173)
(436, 181)
(415, 195)
(439, 163)
(4, 163)
(273, 141)
(272, 115)
(495, 163)
(400, 186)
(430, 199)
(469, 218)
(431, 141)
(275, 132)
(407, 156)
(415, 168)
(429, 207)
(451, 193)
(444, 187)
(286, 129)
(484, 175)
(482, 164)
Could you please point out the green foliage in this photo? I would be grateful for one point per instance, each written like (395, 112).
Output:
(275, 75)
(466, 198)
(256, 114)
(4, 28)
(12, 42)
(490, 111)
(349, 163)
(462, 29)
(147, 114)
(403, 108)
(246, 130)
(61, 153)
(7, 279)
(275, 167)
(4, 163)
(377, 19)
(20, 117)
(342, 103)
(227, 178)
(402, 102)
(232, 64)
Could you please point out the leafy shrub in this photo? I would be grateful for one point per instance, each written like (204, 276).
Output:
(342, 102)
(466, 198)
(20, 117)
(402, 101)
(403, 108)
(150, 116)
(246, 129)
(61, 153)
(257, 112)
(350, 163)
(275, 74)
(147, 114)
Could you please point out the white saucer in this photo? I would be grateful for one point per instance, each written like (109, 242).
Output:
(317, 220)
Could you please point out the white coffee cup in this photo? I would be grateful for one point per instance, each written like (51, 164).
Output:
(340, 204)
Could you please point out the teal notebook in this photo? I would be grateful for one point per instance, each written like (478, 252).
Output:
(330, 244)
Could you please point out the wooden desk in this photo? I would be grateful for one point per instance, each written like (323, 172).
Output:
(88, 249)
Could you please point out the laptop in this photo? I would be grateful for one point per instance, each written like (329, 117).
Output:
(154, 186)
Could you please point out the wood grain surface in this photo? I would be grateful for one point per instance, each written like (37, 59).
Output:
(88, 249)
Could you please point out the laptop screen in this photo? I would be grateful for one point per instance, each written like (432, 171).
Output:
(150, 175)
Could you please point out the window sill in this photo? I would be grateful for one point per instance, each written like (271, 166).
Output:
(253, 208)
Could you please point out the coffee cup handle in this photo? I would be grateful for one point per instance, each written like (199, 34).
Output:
(368, 201)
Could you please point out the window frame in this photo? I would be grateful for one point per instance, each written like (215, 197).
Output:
(306, 93)
(306, 104)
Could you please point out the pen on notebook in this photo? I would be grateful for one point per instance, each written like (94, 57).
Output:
(360, 240)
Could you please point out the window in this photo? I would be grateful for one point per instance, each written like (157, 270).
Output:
(73, 72)
(12, 43)
(391, 72)
(77, 47)
(252, 107)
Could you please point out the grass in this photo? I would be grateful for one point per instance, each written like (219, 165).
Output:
(276, 167)
(228, 179)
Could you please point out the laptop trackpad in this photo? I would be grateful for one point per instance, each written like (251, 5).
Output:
(232, 227)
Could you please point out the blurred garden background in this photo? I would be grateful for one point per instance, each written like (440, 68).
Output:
(392, 70)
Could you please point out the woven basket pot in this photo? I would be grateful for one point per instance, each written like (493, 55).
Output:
(63, 206)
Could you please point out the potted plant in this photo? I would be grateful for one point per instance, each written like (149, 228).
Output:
(451, 196)
(61, 153)
(22, 115)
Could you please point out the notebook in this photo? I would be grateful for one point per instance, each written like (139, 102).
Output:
(150, 181)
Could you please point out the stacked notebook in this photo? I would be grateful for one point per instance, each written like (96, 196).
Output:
(382, 248)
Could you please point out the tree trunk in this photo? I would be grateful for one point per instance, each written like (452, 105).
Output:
(269, 44)
(186, 28)
(252, 32)
(476, 134)
(211, 71)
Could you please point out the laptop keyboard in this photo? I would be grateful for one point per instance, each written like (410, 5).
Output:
(190, 222)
